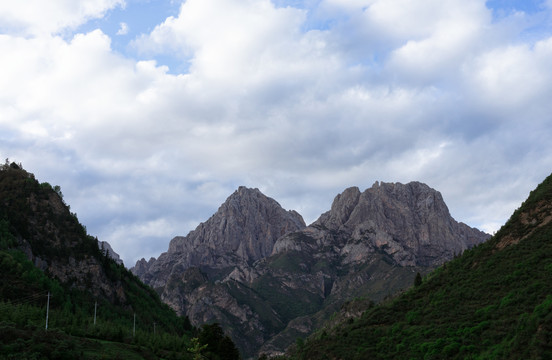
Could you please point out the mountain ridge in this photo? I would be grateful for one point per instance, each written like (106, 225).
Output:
(354, 214)
(492, 301)
(318, 266)
(237, 233)
(51, 265)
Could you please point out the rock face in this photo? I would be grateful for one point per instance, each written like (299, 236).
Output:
(107, 250)
(410, 223)
(51, 236)
(243, 230)
(256, 269)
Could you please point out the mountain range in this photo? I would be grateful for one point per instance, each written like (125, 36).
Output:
(267, 278)
(386, 273)
(492, 302)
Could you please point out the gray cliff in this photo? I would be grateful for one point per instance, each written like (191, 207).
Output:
(411, 223)
(267, 278)
(243, 230)
(107, 250)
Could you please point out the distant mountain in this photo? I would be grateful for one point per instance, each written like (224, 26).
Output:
(492, 302)
(107, 250)
(242, 231)
(408, 223)
(256, 269)
(50, 265)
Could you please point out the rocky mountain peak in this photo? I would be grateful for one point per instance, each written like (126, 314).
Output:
(107, 250)
(342, 207)
(246, 225)
(252, 259)
(409, 222)
(243, 230)
(352, 207)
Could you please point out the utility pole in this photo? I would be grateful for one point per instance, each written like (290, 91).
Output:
(47, 310)
(134, 328)
(154, 328)
(95, 305)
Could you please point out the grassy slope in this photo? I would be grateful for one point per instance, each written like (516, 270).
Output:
(35, 212)
(384, 280)
(23, 307)
(495, 301)
(32, 343)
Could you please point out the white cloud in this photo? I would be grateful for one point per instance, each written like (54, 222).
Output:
(237, 41)
(453, 37)
(513, 79)
(35, 17)
(139, 239)
(123, 29)
(434, 91)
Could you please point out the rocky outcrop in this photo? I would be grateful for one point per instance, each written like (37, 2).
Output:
(256, 269)
(242, 231)
(142, 266)
(410, 223)
(52, 238)
(107, 250)
(202, 275)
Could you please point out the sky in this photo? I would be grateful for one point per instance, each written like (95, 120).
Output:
(150, 113)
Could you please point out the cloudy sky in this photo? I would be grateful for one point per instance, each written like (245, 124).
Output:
(150, 113)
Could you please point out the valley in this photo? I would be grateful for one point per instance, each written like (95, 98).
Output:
(268, 279)
(384, 273)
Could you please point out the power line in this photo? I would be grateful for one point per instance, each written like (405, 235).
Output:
(34, 300)
(30, 299)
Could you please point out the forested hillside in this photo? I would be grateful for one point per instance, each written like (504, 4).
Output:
(493, 302)
(61, 297)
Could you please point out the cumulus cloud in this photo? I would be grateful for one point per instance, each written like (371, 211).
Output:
(512, 77)
(35, 17)
(299, 102)
(232, 42)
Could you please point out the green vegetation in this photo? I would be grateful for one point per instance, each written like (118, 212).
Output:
(493, 302)
(304, 302)
(217, 344)
(101, 311)
(261, 306)
(418, 280)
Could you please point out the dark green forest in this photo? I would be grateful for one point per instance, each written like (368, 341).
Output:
(83, 321)
(492, 302)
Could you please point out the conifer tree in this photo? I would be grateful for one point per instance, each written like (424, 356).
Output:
(418, 280)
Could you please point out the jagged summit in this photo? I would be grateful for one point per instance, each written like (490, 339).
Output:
(409, 222)
(498, 292)
(243, 230)
(107, 250)
(260, 272)
(246, 225)
(352, 206)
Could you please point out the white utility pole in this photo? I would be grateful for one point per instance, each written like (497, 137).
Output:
(47, 310)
